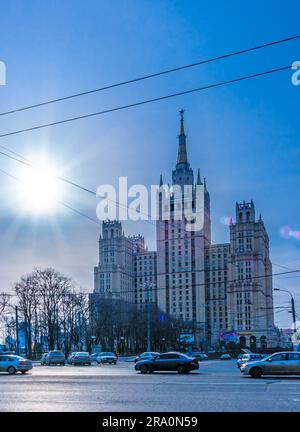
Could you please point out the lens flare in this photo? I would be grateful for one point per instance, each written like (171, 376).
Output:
(226, 220)
(286, 232)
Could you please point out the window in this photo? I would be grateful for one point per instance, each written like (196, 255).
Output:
(294, 356)
(279, 357)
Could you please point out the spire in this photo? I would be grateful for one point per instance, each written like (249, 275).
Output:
(199, 181)
(181, 132)
(182, 155)
(161, 180)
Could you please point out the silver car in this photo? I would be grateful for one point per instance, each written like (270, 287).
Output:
(282, 363)
(107, 357)
(246, 358)
(81, 358)
(12, 364)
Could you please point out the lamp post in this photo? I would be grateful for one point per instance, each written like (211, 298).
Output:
(293, 313)
(148, 286)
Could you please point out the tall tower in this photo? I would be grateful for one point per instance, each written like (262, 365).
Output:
(251, 293)
(180, 252)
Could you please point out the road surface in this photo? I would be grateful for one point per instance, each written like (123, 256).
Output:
(217, 386)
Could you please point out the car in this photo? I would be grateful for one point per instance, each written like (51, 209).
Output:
(280, 363)
(43, 359)
(12, 363)
(94, 356)
(70, 357)
(55, 357)
(171, 361)
(225, 357)
(245, 358)
(146, 355)
(199, 355)
(81, 357)
(107, 357)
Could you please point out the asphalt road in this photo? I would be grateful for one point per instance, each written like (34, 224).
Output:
(217, 386)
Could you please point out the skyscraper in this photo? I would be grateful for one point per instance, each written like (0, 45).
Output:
(222, 291)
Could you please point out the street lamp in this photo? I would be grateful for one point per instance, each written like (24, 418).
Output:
(148, 288)
(293, 312)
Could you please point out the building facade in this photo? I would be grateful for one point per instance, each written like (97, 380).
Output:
(224, 290)
(126, 269)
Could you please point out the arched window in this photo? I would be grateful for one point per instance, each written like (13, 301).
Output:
(241, 217)
(252, 343)
(263, 342)
(243, 342)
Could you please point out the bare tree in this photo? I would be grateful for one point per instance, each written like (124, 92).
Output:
(27, 290)
(4, 303)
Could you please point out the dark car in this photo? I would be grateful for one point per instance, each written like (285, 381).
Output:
(172, 361)
(55, 357)
(225, 356)
(146, 355)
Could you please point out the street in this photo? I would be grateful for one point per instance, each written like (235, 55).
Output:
(217, 386)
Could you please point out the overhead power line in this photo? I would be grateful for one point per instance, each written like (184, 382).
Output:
(147, 101)
(195, 285)
(153, 75)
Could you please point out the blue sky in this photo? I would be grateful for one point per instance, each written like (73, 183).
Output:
(244, 137)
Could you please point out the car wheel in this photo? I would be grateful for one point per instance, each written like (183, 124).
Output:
(181, 369)
(115, 363)
(11, 370)
(144, 369)
(255, 372)
(90, 364)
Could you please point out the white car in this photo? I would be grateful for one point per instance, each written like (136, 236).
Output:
(107, 357)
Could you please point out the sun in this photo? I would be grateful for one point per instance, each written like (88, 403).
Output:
(39, 187)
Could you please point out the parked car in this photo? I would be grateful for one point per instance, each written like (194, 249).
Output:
(12, 363)
(43, 359)
(171, 361)
(81, 358)
(282, 363)
(70, 357)
(107, 357)
(55, 357)
(245, 358)
(225, 357)
(94, 357)
(146, 355)
(199, 355)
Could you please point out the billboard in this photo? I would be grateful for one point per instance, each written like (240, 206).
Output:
(187, 338)
(228, 336)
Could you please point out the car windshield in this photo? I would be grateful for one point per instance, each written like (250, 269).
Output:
(107, 354)
(56, 353)
(82, 354)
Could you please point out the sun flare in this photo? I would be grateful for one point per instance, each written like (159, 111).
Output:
(40, 188)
